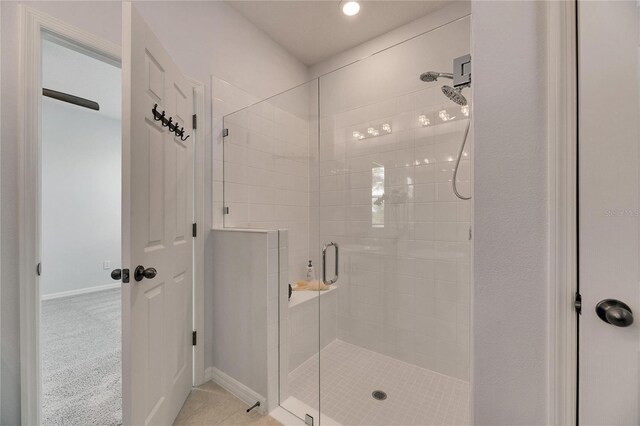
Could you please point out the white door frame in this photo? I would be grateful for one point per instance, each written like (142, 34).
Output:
(32, 24)
(199, 151)
(563, 209)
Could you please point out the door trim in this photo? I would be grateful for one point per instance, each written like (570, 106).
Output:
(32, 23)
(563, 209)
(199, 152)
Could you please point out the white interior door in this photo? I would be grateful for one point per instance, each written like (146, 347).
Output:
(157, 200)
(609, 116)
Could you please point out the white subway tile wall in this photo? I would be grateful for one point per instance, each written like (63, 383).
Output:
(376, 179)
(266, 174)
(404, 284)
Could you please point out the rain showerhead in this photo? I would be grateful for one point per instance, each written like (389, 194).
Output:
(455, 95)
(430, 76)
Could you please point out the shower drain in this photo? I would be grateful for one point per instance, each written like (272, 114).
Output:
(379, 395)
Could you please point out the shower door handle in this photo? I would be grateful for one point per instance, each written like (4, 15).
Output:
(324, 264)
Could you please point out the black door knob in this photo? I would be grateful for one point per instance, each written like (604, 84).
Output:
(116, 274)
(615, 312)
(147, 273)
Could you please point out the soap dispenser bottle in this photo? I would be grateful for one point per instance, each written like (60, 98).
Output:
(311, 272)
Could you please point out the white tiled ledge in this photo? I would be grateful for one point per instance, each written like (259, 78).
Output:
(303, 296)
(253, 230)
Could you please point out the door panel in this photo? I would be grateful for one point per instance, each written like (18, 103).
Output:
(608, 187)
(157, 168)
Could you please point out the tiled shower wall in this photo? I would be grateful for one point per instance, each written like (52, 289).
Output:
(266, 174)
(404, 278)
(405, 271)
(404, 289)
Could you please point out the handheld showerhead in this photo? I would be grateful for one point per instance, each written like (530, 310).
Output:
(455, 95)
(430, 76)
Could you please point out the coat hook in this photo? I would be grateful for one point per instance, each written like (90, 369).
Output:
(155, 112)
(184, 139)
(168, 122)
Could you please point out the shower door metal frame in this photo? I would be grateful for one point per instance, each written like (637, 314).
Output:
(562, 145)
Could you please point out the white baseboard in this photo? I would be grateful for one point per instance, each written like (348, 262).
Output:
(80, 291)
(208, 374)
(245, 394)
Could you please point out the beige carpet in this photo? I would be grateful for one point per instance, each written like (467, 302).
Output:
(81, 360)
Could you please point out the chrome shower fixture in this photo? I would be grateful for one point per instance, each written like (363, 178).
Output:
(454, 94)
(430, 76)
(461, 74)
(461, 77)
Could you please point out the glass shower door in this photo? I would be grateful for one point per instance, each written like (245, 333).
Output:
(267, 167)
(394, 328)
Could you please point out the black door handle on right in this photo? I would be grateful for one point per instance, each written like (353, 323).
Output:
(615, 312)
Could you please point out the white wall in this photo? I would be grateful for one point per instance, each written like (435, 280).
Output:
(81, 199)
(205, 38)
(246, 269)
(510, 291)
(81, 156)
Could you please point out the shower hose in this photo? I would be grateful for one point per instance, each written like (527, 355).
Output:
(455, 170)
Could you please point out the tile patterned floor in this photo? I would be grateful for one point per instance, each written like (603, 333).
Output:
(416, 396)
(210, 404)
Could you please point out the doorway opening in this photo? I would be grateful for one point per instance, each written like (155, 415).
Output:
(38, 262)
(80, 216)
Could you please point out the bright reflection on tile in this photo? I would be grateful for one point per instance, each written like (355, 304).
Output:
(377, 196)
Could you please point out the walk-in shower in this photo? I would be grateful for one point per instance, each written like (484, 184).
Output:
(364, 160)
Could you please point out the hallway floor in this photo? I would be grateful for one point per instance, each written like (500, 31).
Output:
(349, 375)
(210, 404)
(81, 355)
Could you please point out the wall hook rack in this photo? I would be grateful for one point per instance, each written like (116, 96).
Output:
(168, 122)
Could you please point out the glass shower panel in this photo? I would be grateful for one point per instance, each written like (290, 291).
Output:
(267, 168)
(394, 330)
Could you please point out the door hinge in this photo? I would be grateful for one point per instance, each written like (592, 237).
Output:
(194, 338)
(194, 122)
(225, 210)
(225, 133)
(308, 419)
(194, 230)
(577, 303)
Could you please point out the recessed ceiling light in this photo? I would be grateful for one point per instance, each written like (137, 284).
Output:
(350, 7)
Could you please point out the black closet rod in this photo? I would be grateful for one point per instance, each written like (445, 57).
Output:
(76, 100)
